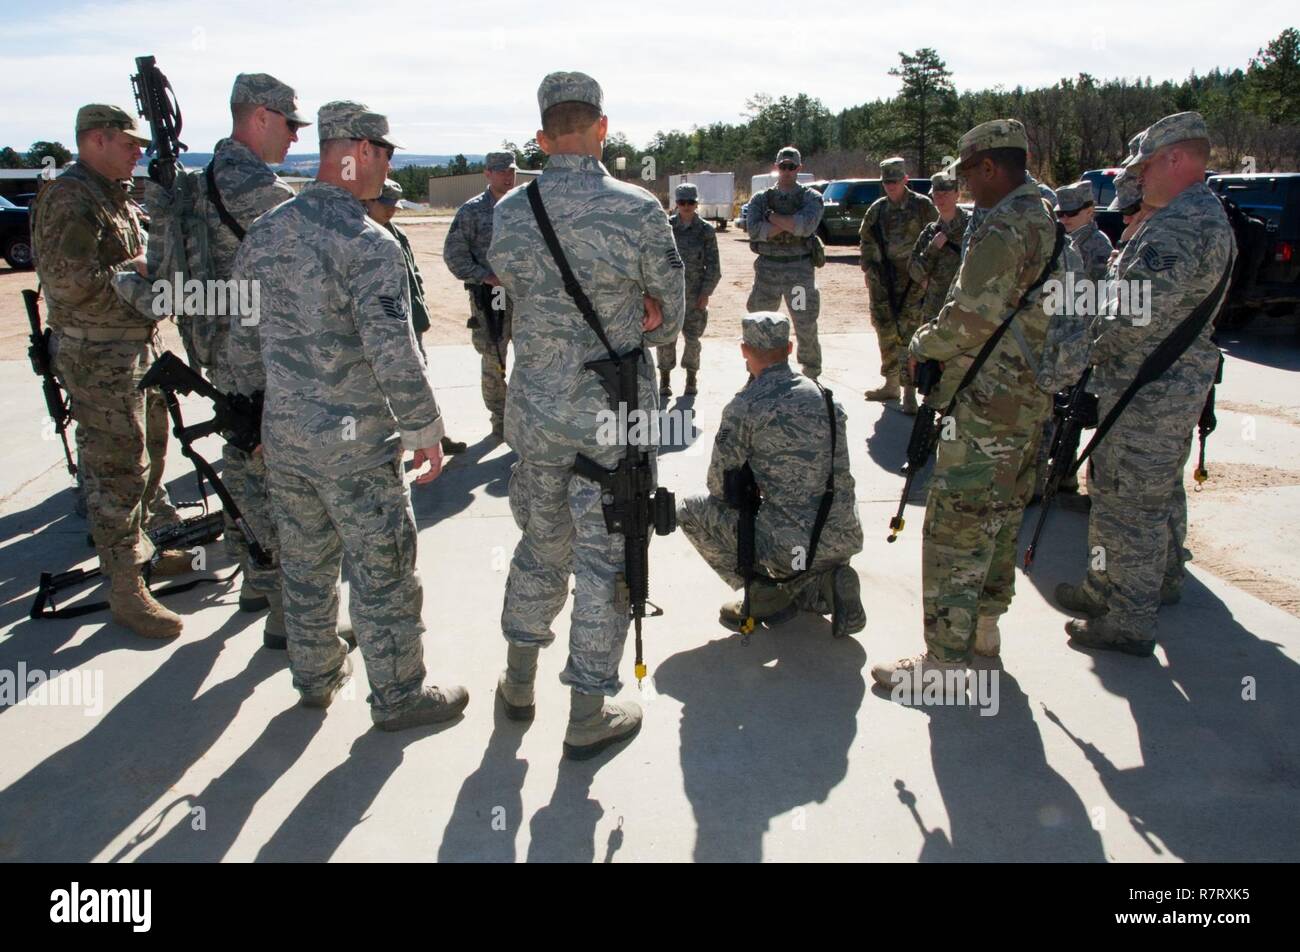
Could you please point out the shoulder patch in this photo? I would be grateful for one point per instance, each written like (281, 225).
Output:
(724, 434)
(674, 259)
(1155, 261)
(392, 307)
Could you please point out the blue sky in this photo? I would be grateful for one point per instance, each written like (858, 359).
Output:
(464, 79)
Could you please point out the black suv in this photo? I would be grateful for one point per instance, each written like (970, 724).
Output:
(1268, 241)
(15, 235)
(845, 201)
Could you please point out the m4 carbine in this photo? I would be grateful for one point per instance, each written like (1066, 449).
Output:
(925, 433)
(59, 408)
(156, 102)
(1075, 410)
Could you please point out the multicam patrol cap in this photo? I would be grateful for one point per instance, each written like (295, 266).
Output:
(1179, 127)
(101, 116)
(263, 89)
(789, 154)
(994, 134)
(499, 161)
(893, 169)
(1071, 198)
(686, 192)
(391, 192)
(765, 330)
(342, 119)
(569, 87)
(942, 182)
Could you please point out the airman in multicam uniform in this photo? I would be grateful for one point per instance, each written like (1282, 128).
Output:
(90, 257)
(895, 220)
(697, 243)
(465, 253)
(782, 226)
(984, 474)
(1075, 210)
(618, 242)
(936, 255)
(1138, 515)
(345, 393)
(779, 425)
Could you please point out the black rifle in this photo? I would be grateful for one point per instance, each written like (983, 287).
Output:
(1206, 425)
(156, 102)
(890, 278)
(1075, 410)
(59, 409)
(237, 418)
(495, 320)
(186, 534)
(631, 503)
(925, 433)
(740, 491)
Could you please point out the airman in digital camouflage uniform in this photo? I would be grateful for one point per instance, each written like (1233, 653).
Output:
(618, 242)
(1138, 512)
(936, 255)
(697, 243)
(782, 226)
(902, 214)
(778, 424)
(266, 122)
(382, 210)
(465, 253)
(334, 351)
(984, 474)
(1074, 209)
(90, 257)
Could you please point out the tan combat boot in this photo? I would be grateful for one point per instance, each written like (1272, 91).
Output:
(132, 606)
(515, 686)
(908, 676)
(988, 639)
(886, 393)
(909, 400)
(171, 562)
(595, 723)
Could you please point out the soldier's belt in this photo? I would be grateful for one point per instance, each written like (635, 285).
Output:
(785, 257)
(105, 334)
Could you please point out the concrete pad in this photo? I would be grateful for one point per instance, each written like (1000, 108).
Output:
(777, 749)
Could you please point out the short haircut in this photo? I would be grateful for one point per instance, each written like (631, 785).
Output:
(1009, 160)
(565, 118)
(332, 147)
(242, 111)
(770, 355)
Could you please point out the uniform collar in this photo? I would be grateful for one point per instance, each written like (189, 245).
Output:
(575, 163)
(238, 151)
(328, 192)
(116, 189)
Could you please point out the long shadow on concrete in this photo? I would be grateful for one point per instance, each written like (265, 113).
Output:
(454, 490)
(489, 808)
(74, 803)
(766, 727)
(887, 448)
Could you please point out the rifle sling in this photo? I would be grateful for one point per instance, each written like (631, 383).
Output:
(1165, 355)
(214, 196)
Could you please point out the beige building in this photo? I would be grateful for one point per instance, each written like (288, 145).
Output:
(452, 191)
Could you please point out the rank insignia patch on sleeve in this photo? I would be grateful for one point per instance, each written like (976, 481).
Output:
(1155, 261)
(393, 308)
(674, 259)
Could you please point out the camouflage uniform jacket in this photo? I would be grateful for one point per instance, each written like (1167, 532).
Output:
(1005, 255)
(248, 188)
(85, 231)
(934, 270)
(619, 244)
(1094, 248)
(901, 224)
(333, 347)
(804, 203)
(1182, 250)
(465, 250)
(697, 243)
(778, 425)
(419, 306)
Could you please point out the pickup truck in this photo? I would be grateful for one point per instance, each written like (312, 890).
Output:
(845, 201)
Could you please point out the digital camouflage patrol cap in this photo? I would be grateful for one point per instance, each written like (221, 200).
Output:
(499, 161)
(942, 182)
(569, 87)
(353, 120)
(263, 89)
(391, 193)
(686, 192)
(893, 169)
(1128, 191)
(1179, 127)
(789, 154)
(1071, 198)
(101, 116)
(765, 330)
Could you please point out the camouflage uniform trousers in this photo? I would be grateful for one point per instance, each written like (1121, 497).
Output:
(492, 379)
(367, 518)
(160, 513)
(697, 318)
(976, 504)
(1138, 522)
(1070, 482)
(712, 527)
(564, 534)
(892, 337)
(121, 439)
(795, 282)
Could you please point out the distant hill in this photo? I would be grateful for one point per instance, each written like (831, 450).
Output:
(306, 163)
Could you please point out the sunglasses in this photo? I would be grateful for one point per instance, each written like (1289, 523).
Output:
(293, 124)
(787, 166)
(382, 146)
(683, 201)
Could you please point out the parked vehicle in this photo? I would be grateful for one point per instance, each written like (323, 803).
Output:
(717, 193)
(1268, 241)
(845, 201)
(15, 235)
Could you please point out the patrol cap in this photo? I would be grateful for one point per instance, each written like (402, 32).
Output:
(789, 154)
(1135, 143)
(994, 134)
(942, 182)
(1179, 127)
(1071, 198)
(342, 119)
(686, 192)
(499, 161)
(391, 192)
(893, 169)
(1128, 191)
(101, 116)
(765, 330)
(263, 89)
(569, 87)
